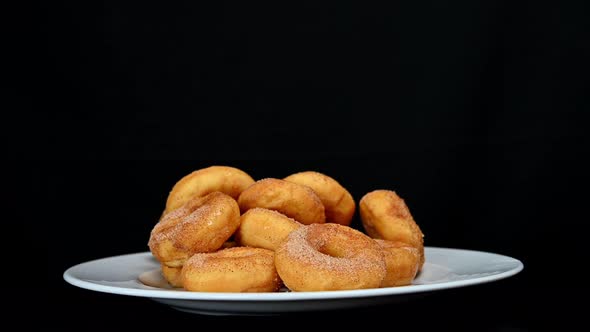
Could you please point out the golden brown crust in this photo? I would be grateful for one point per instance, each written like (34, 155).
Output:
(228, 180)
(291, 199)
(222, 231)
(338, 202)
(172, 275)
(264, 228)
(237, 269)
(322, 257)
(202, 224)
(386, 216)
(402, 263)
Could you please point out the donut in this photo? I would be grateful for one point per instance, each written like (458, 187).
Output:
(291, 199)
(202, 224)
(386, 216)
(338, 202)
(172, 275)
(264, 228)
(228, 180)
(402, 263)
(325, 257)
(237, 269)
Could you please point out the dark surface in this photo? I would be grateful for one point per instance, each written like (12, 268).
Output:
(471, 111)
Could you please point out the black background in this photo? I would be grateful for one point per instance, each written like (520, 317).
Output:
(472, 111)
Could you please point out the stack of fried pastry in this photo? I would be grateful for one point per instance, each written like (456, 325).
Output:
(223, 231)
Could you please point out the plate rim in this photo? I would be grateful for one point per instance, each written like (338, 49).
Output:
(287, 296)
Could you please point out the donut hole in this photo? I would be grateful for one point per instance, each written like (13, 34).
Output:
(337, 246)
(334, 251)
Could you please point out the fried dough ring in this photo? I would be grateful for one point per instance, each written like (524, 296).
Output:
(172, 275)
(386, 216)
(228, 180)
(402, 263)
(338, 202)
(291, 199)
(264, 228)
(202, 224)
(322, 257)
(237, 269)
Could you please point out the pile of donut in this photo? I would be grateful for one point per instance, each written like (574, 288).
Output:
(222, 231)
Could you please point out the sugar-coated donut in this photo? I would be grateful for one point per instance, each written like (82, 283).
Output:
(228, 180)
(237, 269)
(291, 199)
(264, 228)
(386, 216)
(172, 275)
(402, 263)
(202, 224)
(338, 202)
(323, 257)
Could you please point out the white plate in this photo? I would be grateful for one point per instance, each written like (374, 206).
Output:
(444, 268)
